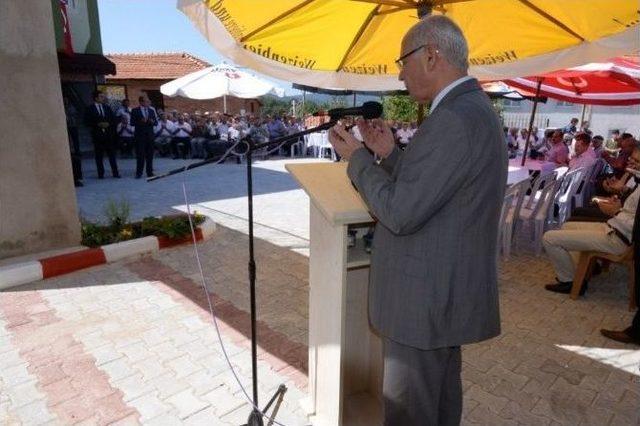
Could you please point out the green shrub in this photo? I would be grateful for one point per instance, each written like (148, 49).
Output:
(117, 213)
(173, 227)
(170, 226)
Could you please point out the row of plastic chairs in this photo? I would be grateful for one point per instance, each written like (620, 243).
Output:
(547, 199)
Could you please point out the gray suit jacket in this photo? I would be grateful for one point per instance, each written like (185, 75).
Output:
(433, 276)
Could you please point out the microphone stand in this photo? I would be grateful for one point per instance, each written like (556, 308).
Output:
(255, 417)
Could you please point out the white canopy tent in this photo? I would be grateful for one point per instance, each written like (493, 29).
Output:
(219, 81)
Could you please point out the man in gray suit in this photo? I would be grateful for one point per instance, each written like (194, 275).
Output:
(433, 282)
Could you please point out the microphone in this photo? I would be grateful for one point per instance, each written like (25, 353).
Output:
(367, 110)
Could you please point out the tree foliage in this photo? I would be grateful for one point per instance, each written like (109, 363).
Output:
(400, 108)
(272, 105)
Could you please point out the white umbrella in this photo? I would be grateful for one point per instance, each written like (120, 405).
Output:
(220, 80)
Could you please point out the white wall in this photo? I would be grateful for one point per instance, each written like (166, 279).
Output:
(603, 119)
(37, 198)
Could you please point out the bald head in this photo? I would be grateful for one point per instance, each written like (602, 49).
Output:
(444, 35)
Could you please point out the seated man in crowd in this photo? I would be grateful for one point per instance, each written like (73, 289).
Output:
(163, 134)
(572, 127)
(626, 143)
(614, 190)
(583, 156)
(612, 236)
(558, 154)
(596, 145)
(181, 142)
(199, 138)
(125, 132)
(611, 144)
(540, 146)
(404, 134)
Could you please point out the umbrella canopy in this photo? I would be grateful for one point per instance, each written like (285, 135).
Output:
(220, 80)
(353, 44)
(616, 82)
(499, 89)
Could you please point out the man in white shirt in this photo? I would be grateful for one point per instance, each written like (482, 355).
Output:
(125, 132)
(596, 145)
(583, 157)
(614, 236)
(163, 134)
(181, 142)
(404, 134)
(125, 110)
(223, 130)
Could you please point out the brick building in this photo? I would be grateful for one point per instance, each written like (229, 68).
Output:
(144, 73)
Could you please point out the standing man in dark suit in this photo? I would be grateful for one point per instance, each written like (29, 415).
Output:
(433, 279)
(101, 120)
(144, 118)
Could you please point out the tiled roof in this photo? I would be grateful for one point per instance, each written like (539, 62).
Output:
(154, 66)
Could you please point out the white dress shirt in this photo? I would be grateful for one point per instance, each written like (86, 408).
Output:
(404, 136)
(100, 109)
(233, 133)
(169, 127)
(586, 160)
(182, 130)
(127, 132)
(446, 90)
(623, 220)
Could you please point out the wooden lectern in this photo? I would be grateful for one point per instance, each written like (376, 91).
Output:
(345, 356)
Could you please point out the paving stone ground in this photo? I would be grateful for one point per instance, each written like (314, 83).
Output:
(133, 342)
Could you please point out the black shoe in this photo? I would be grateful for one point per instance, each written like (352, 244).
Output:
(565, 287)
(78, 183)
(151, 175)
(623, 336)
(138, 176)
(100, 177)
(117, 176)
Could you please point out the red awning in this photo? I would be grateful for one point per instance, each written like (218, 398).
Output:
(616, 82)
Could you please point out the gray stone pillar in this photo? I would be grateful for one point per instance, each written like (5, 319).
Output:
(37, 199)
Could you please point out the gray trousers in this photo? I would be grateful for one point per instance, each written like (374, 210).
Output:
(421, 387)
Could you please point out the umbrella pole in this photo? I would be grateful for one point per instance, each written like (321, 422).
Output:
(533, 115)
(224, 103)
(584, 110)
(354, 99)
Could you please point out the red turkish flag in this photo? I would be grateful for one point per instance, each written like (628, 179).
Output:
(66, 28)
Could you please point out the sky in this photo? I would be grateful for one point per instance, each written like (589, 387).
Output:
(136, 26)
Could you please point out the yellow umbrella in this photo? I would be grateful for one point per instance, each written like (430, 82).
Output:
(353, 43)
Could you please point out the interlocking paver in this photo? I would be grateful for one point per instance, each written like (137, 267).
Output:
(144, 324)
(187, 404)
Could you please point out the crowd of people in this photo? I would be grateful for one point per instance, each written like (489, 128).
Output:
(571, 146)
(144, 132)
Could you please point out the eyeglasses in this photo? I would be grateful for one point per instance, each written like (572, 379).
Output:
(400, 62)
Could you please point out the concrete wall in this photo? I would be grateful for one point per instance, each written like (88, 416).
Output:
(37, 199)
(603, 119)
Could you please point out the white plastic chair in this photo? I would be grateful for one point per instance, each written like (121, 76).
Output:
(300, 146)
(566, 193)
(590, 179)
(513, 199)
(537, 185)
(535, 213)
